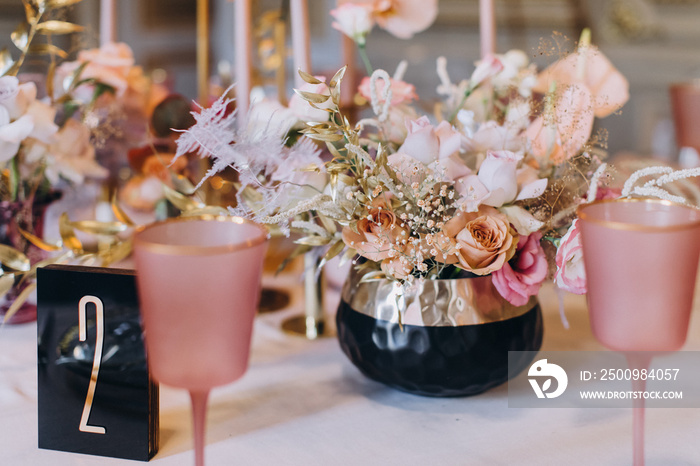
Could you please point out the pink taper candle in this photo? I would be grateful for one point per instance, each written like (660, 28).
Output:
(243, 44)
(108, 21)
(299, 12)
(349, 83)
(487, 27)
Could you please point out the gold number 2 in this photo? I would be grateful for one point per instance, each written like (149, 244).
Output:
(99, 341)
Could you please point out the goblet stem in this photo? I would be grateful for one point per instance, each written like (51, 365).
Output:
(639, 362)
(199, 418)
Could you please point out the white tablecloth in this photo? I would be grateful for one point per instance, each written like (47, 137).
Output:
(303, 403)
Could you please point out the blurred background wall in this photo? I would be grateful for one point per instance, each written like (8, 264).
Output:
(653, 42)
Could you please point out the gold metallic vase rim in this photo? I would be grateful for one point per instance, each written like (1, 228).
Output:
(618, 225)
(161, 248)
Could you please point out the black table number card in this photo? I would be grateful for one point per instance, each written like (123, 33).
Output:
(95, 394)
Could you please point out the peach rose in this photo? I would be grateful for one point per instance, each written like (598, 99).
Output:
(376, 234)
(401, 18)
(484, 241)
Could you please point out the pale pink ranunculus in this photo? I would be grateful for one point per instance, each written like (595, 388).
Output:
(484, 241)
(401, 91)
(562, 135)
(354, 20)
(377, 233)
(571, 274)
(401, 18)
(523, 275)
(486, 68)
(608, 87)
(395, 126)
(303, 109)
(427, 143)
(8, 88)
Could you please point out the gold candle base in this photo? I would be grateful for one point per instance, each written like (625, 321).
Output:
(312, 324)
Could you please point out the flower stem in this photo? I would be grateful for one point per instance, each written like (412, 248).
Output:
(365, 59)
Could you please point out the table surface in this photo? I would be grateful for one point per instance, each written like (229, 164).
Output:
(303, 403)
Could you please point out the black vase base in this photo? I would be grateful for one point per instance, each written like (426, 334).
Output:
(438, 361)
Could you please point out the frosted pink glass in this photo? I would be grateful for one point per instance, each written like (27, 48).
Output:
(199, 285)
(641, 259)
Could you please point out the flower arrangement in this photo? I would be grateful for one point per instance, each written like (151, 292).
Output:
(490, 185)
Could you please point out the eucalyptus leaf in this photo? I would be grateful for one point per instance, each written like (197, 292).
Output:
(14, 259)
(69, 82)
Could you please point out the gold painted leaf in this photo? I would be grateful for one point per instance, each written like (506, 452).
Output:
(334, 250)
(181, 201)
(309, 78)
(71, 81)
(67, 232)
(30, 11)
(19, 300)
(6, 60)
(301, 249)
(312, 96)
(99, 228)
(14, 259)
(325, 137)
(46, 49)
(20, 36)
(58, 27)
(313, 240)
(335, 81)
(38, 242)
(210, 210)
(6, 282)
(348, 256)
(53, 4)
(116, 253)
(327, 223)
(181, 183)
(119, 214)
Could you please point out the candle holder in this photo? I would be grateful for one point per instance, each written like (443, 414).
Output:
(312, 324)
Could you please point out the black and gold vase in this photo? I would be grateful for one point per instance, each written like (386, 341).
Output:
(446, 337)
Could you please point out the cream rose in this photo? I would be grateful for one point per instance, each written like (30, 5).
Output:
(484, 241)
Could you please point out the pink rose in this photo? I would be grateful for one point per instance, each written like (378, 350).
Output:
(401, 91)
(484, 240)
(523, 275)
(571, 275)
(491, 136)
(378, 233)
(427, 143)
(401, 18)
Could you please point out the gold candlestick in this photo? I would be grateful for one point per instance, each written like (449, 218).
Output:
(203, 51)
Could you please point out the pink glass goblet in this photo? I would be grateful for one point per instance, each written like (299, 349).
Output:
(199, 284)
(641, 259)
